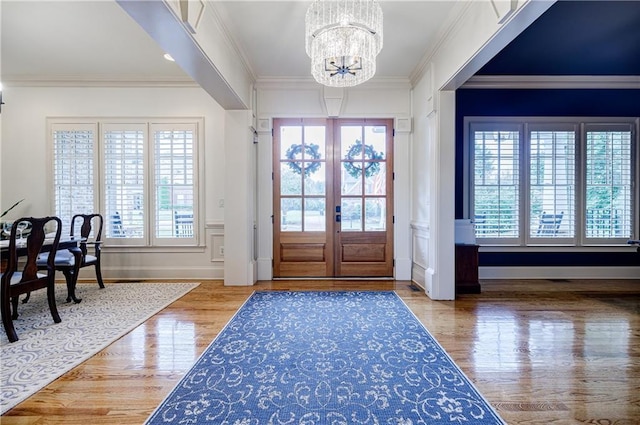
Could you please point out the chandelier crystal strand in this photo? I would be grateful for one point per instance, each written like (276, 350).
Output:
(343, 38)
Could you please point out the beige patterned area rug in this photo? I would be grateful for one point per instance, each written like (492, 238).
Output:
(45, 351)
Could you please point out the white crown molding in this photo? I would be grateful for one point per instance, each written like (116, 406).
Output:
(460, 9)
(552, 82)
(219, 18)
(95, 81)
(309, 83)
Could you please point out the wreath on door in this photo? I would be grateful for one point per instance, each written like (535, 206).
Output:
(311, 151)
(354, 168)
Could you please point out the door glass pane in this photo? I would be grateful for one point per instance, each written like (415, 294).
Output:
(375, 178)
(350, 185)
(314, 215)
(291, 214)
(290, 178)
(375, 214)
(350, 136)
(376, 140)
(351, 215)
(315, 136)
(289, 136)
(314, 181)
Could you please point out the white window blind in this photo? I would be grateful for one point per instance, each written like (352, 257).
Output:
(577, 182)
(552, 185)
(496, 182)
(124, 181)
(609, 183)
(73, 171)
(174, 178)
(142, 176)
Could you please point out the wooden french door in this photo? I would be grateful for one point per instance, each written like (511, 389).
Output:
(333, 198)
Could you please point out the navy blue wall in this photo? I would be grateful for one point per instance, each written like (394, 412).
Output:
(546, 103)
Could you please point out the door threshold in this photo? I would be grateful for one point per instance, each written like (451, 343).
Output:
(332, 278)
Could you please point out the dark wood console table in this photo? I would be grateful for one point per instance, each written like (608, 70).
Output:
(466, 261)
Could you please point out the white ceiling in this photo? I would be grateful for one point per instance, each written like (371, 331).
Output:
(97, 41)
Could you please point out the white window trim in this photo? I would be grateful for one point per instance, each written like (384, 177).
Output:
(148, 241)
(579, 241)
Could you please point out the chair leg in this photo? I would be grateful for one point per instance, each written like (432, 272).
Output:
(51, 297)
(99, 275)
(7, 321)
(14, 304)
(71, 277)
(26, 299)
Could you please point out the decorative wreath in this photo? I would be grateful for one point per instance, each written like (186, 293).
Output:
(310, 151)
(352, 167)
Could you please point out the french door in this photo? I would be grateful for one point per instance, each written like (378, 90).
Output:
(333, 198)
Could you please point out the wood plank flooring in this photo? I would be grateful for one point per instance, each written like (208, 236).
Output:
(540, 352)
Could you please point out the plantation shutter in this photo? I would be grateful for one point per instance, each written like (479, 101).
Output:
(174, 182)
(496, 182)
(609, 183)
(73, 170)
(552, 182)
(124, 183)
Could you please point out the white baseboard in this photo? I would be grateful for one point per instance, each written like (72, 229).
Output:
(265, 270)
(559, 272)
(168, 272)
(418, 275)
(403, 269)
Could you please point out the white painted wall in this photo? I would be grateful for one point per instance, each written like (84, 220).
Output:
(26, 173)
(424, 159)
(474, 34)
(389, 100)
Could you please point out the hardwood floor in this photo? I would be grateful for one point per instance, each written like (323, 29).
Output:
(540, 352)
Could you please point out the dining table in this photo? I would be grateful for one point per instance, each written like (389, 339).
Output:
(68, 243)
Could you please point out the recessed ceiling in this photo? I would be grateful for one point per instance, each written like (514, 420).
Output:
(575, 38)
(271, 35)
(85, 40)
(97, 40)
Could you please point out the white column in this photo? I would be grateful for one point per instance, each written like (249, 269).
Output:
(265, 199)
(440, 279)
(402, 194)
(239, 204)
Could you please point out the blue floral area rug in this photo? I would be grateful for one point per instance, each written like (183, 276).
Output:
(324, 358)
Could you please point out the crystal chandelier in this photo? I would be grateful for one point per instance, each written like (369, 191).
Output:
(343, 38)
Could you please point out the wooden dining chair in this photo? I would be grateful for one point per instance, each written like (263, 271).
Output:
(89, 227)
(18, 280)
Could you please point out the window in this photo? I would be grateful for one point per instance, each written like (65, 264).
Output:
(497, 182)
(608, 183)
(572, 181)
(73, 171)
(552, 183)
(140, 175)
